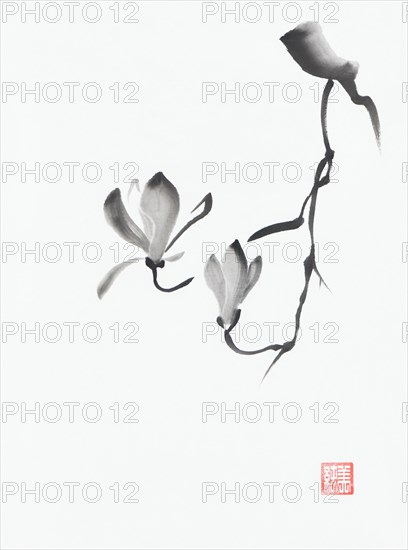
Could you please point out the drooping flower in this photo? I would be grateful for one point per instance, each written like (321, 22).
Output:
(310, 49)
(159, 208)
(231, 280)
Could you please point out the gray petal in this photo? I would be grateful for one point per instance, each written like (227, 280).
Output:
(254, 272)
(174, 257)
(160, 203)
(215, 279)
(118, 217)
(109, 278)
(234, 268)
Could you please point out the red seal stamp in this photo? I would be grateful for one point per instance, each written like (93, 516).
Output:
(337, 478)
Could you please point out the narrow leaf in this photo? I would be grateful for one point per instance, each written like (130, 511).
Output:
(277, 228)
(207, 200)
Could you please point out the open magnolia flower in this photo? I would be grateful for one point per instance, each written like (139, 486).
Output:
(159, 209)
(231, 280)
(310, 49)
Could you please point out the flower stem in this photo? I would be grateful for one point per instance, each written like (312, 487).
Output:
(231, 344)
(153, 267)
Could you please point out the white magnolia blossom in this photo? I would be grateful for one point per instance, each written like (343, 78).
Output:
(231, 280)
(159, 208)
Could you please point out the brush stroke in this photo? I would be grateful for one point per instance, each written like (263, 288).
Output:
(159, 209)
(310, 262)
(231, 344)
(231, 280)
(308, 46)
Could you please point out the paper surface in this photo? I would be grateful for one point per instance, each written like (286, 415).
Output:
(148, 432)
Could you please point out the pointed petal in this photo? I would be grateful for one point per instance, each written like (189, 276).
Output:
(110, 277)
(175, 257)
(160, 202)
(133, 183)
(254, 272)
(117, 216)
(207, 201)
(234, 268)
(215, 279)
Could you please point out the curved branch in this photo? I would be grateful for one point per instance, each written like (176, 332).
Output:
(310, 262)
(318, 181)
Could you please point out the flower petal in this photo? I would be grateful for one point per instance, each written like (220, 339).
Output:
(147, 224)
(254, 272)
(215, 279)
(110, 277)
(160, 203)
(174, 257)
(310, 49)
(118, 217)
(234, 268)
(133, 183)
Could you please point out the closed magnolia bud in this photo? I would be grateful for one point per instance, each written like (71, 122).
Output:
(310, 49)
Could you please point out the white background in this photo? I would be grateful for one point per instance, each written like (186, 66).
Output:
(170, 452)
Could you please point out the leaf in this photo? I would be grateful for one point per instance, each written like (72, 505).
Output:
(207, 200)
(277, 228)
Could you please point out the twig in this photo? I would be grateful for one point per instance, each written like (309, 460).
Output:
(310, 262)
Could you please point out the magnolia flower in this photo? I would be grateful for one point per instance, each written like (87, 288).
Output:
(310, 49)
(159, 209)
(231, 280)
